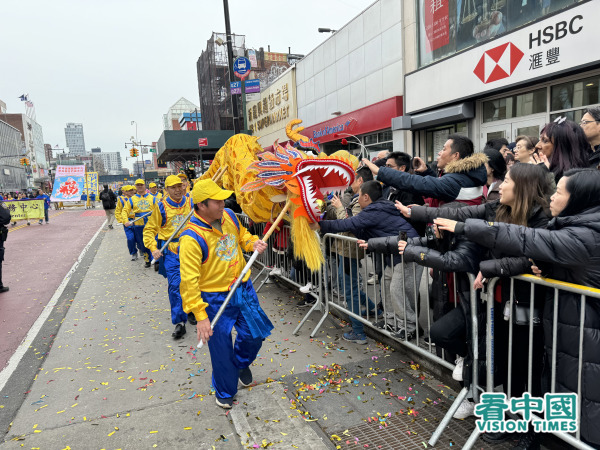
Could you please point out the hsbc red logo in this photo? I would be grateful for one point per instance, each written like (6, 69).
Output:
(498, 63)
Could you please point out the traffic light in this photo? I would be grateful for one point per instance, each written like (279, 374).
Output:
(22, 161)
(26, 161)
(134, 152)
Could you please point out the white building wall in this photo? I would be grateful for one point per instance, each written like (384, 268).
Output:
(359, 65)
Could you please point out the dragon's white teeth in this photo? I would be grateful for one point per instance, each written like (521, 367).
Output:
(329, 170)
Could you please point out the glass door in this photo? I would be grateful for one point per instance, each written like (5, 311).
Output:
(495, 131)
(529, 127)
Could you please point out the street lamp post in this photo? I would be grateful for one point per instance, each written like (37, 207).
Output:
(136, 142)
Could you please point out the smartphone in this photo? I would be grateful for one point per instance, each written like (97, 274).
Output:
(403, 236)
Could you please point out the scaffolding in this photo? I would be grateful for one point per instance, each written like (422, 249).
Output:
(213, 82)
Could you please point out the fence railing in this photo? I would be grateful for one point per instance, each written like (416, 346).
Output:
(374, 292)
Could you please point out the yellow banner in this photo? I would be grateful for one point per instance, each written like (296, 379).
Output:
(25, 209)
(91, 184)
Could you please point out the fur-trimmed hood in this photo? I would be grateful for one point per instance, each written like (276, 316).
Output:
(467, 164)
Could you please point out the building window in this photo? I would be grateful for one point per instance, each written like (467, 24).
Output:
(571, 99)
(515, 106)
(435, 138)
(450, 26)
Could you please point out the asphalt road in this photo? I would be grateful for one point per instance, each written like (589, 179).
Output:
(36, 260)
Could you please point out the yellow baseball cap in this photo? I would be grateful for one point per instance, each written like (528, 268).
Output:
(172, 180)
(139, 181)
(152, 185)
(182, 175)
(205, 189)
(125, 187)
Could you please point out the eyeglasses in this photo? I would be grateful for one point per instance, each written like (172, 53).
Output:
(585, 122)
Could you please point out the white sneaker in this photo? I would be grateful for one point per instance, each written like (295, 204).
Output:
(306, 289)
(465, 410)
(276, 272)
(134, 257)
(457, 373)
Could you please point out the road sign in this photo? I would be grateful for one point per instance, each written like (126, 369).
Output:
(241, 67)
(202, 142)
(252, 97)
(252, 86)
(236, 87)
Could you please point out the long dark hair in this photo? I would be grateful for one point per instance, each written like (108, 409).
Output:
(531, 189)
(583, 185)
(571, 148)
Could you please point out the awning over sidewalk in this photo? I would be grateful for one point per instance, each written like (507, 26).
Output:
(184, 145)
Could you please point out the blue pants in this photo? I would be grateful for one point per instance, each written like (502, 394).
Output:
(227, 359)
(130, 240)
(138, 232)
(169, 268)
(349, 283)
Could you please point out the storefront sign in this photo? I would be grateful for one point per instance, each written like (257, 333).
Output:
(365, 120)
(558, 44)
(276, 107)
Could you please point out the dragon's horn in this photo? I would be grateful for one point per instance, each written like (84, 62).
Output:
(294, 134)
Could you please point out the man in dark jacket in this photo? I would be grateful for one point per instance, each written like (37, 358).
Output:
(4, 220)
(109, 203)
(462, 175)
(378, 218)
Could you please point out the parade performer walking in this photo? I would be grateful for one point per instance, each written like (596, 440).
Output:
(154, 191)
(128, 192)
(211, 258)
(167, 215)
(141, 204)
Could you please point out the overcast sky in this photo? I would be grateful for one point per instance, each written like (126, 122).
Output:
(105, 63)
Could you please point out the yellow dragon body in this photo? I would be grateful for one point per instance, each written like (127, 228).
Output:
(262, 181)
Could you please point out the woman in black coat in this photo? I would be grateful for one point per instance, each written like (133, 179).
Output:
(570, 251)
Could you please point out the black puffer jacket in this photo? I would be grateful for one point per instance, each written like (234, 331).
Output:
(496, 263)
(572, 246)
(469, 172)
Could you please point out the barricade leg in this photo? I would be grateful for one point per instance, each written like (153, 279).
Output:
(446, 420)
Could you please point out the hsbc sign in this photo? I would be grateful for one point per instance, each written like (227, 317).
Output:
(498, 63)
(558, 44)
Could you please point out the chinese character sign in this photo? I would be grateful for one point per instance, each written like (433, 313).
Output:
(91, 183)
(437, 24)
(25, 209)
(68, 184)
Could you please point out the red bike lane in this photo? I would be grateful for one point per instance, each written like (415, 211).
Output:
(36, 260)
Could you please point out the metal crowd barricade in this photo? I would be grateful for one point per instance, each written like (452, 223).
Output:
(557, 287)
(277, 261)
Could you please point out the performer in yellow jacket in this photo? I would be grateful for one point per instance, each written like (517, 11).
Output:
(211, 258)
(128, 192)
(140, 204)
(186, 183)
(154, 191)
(167, 215)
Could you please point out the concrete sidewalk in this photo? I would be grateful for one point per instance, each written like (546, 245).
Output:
(115, 378)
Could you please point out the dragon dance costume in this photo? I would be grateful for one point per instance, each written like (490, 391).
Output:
(211, 260)
(131, 244)
(139, 205)
(166, 217)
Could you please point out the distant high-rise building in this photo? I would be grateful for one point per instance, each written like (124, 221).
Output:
(74, 138)
(32, 145)
(96, 150)
(12, 174)
(171, 119)
(112, 162)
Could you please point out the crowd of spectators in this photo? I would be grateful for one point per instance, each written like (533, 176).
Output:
(527, 207)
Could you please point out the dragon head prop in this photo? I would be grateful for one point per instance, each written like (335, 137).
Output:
(306, 178)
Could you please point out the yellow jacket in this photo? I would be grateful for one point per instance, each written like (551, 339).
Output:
(121, 200)
(211, 261)
(138, 205)
(166, 217)
(159, 196)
